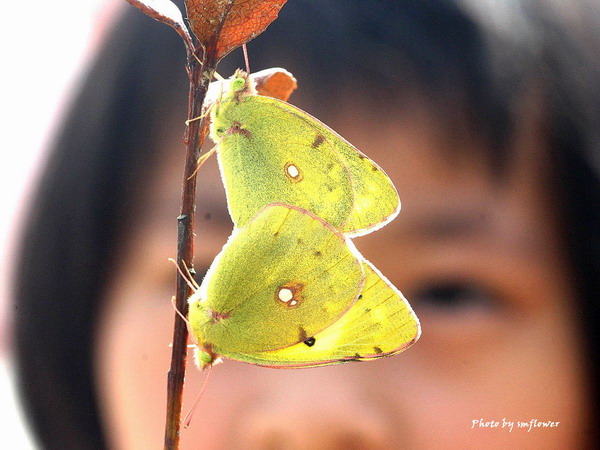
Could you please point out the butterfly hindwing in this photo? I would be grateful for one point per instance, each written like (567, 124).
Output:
(376, 200)
(280, 279)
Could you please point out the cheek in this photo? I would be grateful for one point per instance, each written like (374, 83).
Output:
(132, 351)
(133, 360)
(445, 385)
(518, 359)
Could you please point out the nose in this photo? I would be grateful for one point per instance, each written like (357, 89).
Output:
(319, 412)
(307, 430)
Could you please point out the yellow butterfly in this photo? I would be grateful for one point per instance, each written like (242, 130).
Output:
(270, 151)
(289, 290)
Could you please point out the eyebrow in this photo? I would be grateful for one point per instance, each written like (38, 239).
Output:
(451, 224)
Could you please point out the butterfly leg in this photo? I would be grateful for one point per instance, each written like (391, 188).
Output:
(202, 160)
(200, 117)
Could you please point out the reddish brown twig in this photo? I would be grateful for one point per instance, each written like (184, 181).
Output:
(200, 76)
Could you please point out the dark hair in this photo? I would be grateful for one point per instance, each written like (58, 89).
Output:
(447, 54)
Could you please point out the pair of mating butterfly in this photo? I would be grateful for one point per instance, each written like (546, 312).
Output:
(289, 289)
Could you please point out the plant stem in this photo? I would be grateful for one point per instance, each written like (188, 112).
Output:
(200, 75)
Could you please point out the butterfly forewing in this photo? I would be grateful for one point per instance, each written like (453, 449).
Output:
(266, 156)
(380, 323)
(375, 201)
(270, 151)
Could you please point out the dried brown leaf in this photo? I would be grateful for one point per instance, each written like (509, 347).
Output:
(223, 25)
(275, 82)
(167, 12)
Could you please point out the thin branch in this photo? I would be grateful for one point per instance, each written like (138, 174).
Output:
(200, 75)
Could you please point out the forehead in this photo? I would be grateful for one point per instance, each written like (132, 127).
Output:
(443, 174)
(450, 191)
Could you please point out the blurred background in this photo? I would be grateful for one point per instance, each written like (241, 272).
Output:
(45, 46)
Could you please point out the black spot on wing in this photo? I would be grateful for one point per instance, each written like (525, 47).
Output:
(319, 138)
(310, 341)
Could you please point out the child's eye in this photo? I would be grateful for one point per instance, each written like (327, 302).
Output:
(448, 296)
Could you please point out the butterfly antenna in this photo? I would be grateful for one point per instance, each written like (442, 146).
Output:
(188, 417)
(200, 117)
(189, 279)
(220, 97)
(246, 60)
(189, 346)
(196, 58)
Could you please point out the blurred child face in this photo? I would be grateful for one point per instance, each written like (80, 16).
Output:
(480, 261)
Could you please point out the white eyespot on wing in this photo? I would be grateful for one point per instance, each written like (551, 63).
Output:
(289, 294)
(292, 172)
(285, 295)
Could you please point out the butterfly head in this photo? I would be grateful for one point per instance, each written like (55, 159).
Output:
(206, 357)
(241, 85)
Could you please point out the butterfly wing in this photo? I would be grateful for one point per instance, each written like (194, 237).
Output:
(271, 151)
(264, 158)
(285, 276)
(376, 200)
(381, 323)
